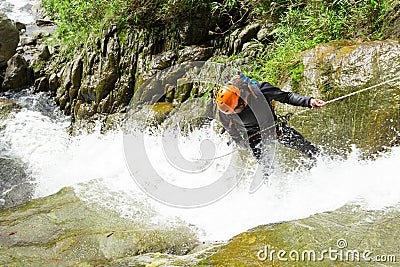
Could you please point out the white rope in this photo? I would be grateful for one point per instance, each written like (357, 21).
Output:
(351, 94)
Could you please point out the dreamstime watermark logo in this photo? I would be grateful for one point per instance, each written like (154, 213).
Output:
(340, 253)
(203, 78)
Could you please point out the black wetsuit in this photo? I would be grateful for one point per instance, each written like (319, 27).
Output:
(246, 121)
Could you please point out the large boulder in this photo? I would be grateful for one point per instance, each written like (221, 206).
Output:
(349, 236)
(63, 230)
(9, 38)
(18, 73)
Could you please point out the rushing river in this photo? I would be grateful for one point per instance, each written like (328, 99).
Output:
(37, 136)
(20, 10)
(94, 164)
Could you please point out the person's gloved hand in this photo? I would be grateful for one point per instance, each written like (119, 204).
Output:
(317, 103)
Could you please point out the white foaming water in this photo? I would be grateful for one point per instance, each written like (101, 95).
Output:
(19, 10)
(57, 160)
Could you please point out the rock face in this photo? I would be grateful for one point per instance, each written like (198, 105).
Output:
(62, 229)
(105, 74)
(9, 38)
(340, 68)
(368, 119)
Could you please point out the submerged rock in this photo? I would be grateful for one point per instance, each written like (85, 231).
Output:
(7, 105)
(16, 187)
(63, 230)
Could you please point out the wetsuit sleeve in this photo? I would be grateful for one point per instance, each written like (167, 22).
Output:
(230, 126)
(272, 92)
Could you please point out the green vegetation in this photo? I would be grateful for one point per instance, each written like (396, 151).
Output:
(76, 19)
(300, 24)
(304, 24)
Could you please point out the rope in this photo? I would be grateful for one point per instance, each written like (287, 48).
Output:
(288, 116)
(351, 94)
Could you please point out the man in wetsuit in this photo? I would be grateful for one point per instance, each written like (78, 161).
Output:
(236, 101)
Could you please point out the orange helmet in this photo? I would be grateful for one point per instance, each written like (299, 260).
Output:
(228, 98)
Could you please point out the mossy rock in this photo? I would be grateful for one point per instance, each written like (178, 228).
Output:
(306, 242)
(63, 230)
(7, 105)
(364, 72)
(161, 110)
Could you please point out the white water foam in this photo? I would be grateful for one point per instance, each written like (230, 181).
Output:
(19, 10)
(57, 160)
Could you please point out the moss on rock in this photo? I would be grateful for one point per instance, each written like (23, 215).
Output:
(349, 236)
(63, 230)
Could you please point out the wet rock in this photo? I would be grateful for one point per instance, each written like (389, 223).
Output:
(114, 121)
(17, 187)
(154, 89)
(53, 83)
(196, 30)
(356, 234)
(44, 53)
(40, 34)
(20, 26)
(65, 82)
(41, 85)
(28, 41)
(83, 110)
(230, 40)
(368, 119)
(195, 53)
(44, 22)
(161, 111)
(99, 81)
(76, 77)
(9, 39)
(249, 32)
(265, 33)
(164, 61)
(252, 49)
(245, 35)
(108, 35)
(39, 60)
(105, 105)
(63, 230)
(18, 73)
(170, 92)
(6, 106)
(340, 68)
(182, 91)
(191, 114)
(110, 71)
